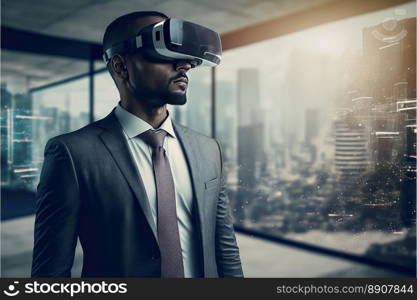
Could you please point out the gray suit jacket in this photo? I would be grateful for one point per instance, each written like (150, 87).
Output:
(90, 188)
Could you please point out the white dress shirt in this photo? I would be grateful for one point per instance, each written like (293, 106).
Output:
(142, 155)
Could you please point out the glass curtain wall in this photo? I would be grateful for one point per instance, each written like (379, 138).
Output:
(318, 130)
(317, 127)
(29, 120)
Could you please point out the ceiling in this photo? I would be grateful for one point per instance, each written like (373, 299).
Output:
(86, 20)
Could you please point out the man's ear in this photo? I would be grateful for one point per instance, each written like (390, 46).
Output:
(118, 64)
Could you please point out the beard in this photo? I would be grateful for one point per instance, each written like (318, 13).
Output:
(159, 97)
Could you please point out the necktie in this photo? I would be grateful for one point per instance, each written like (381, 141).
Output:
(168, 234)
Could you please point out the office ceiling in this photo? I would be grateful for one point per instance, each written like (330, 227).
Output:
(86, 20)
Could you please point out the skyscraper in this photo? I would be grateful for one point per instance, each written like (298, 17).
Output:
(390, 48)
(250, 136)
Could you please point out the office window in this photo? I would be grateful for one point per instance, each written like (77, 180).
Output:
(38, 70)
(30, 120)
(318, 131)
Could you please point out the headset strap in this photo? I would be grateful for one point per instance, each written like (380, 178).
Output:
(123, 47)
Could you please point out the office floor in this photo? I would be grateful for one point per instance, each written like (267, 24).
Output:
(259, 258)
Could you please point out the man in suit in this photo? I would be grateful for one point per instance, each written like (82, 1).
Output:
(145, 196)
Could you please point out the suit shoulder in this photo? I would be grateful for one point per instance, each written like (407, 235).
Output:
(78, 135)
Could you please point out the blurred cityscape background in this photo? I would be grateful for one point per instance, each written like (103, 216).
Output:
(317, 125)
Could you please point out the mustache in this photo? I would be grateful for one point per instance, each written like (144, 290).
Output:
(178, 76)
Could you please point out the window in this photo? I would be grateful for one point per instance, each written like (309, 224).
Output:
(318, 131)
(30, 120)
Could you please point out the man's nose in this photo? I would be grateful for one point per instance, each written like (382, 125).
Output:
(183, 65)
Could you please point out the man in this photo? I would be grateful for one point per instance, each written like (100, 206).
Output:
(145, 195)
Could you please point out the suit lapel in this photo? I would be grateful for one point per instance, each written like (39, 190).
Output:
(115, 142)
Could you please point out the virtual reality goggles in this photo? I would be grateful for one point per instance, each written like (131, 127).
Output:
(173, 39)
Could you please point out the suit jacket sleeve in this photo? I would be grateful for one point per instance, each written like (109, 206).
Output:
(227, 251)
(57, 213)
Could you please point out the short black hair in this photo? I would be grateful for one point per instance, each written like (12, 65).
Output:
(125, 27)
(118, 30)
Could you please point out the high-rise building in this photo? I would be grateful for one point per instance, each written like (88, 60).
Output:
(390, 48)
(311, 125)
(408, 129)
(351, 151)
(250, 137)
(390, 53)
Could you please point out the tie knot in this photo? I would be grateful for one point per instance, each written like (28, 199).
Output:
(155, 138)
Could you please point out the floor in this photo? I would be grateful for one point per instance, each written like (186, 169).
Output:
(259, 258)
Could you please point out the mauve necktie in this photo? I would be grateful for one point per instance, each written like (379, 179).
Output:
(168, 234)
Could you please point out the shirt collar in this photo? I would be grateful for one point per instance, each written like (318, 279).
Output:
(134, 125)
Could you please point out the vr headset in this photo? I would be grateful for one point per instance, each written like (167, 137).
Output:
(170, 40)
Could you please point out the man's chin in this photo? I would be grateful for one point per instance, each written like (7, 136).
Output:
(177, 98)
